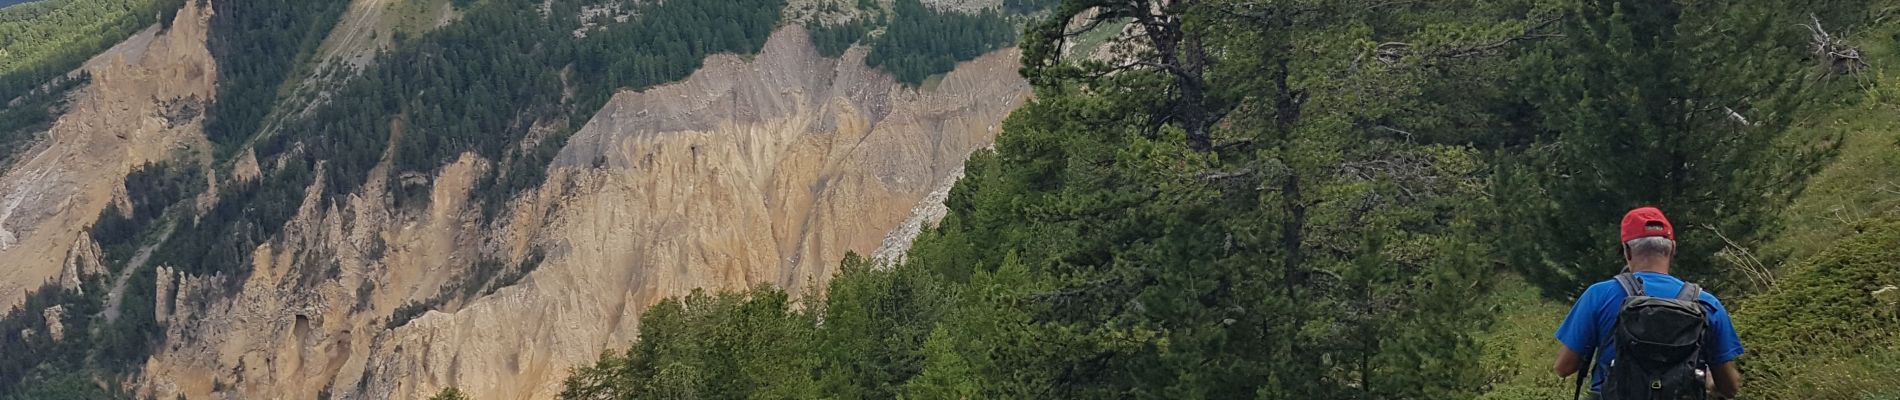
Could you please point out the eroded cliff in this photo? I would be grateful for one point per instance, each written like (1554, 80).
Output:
(144, 103)
(759, 170)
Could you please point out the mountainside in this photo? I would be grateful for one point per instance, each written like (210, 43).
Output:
(932, 199)
(762, 169)
(750, 172)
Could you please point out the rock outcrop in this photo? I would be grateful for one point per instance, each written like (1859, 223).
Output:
(84, 260)
(55, 322)
(164, 278)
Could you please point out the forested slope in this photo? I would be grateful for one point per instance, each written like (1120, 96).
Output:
(914, 42)
(1336, 200)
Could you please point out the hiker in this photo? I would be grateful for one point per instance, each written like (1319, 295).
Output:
(1658, 325)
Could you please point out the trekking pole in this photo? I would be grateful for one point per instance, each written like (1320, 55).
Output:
(1589, 363)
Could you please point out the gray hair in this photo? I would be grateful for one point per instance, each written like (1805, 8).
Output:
(1651, 246)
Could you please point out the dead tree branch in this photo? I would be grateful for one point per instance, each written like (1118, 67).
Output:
(1751, 266)
(1835, 54)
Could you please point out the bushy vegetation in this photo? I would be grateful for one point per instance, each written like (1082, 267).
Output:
(1099, 252)
(1518, 348)
(450, 393)
(716, 346)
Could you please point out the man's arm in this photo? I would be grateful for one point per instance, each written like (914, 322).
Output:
(1580, 331)
(1728, 380)
(1568, 362)
(1727, 345)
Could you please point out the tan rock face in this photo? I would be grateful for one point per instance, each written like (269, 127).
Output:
(81, 262)
(55, 322)
(126, 117)
(750, 172)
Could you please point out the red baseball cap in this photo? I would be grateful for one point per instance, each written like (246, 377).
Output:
(1646, 222)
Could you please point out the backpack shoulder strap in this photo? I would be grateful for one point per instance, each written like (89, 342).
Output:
(1690, 293)
(1631, 286)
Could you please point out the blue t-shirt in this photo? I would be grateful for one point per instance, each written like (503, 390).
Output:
(1588, 326)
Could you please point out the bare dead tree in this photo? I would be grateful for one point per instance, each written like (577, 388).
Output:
(1835, 55)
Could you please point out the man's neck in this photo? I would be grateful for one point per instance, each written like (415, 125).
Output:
(1656, 266)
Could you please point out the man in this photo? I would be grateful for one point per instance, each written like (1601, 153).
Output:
(1649, 242)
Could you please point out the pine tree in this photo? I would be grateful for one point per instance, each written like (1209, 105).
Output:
(1306, 244)
(1690, 106)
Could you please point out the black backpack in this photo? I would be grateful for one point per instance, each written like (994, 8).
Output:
(1658, 345)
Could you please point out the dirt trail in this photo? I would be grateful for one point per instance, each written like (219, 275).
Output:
(125, 274)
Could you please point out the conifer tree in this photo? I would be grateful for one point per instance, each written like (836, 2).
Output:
(1690, 106)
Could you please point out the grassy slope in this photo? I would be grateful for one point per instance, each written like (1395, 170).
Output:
(1841, 203)
(1864, 182)
(415, 17)
(1519, 349)
(1822, 333)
